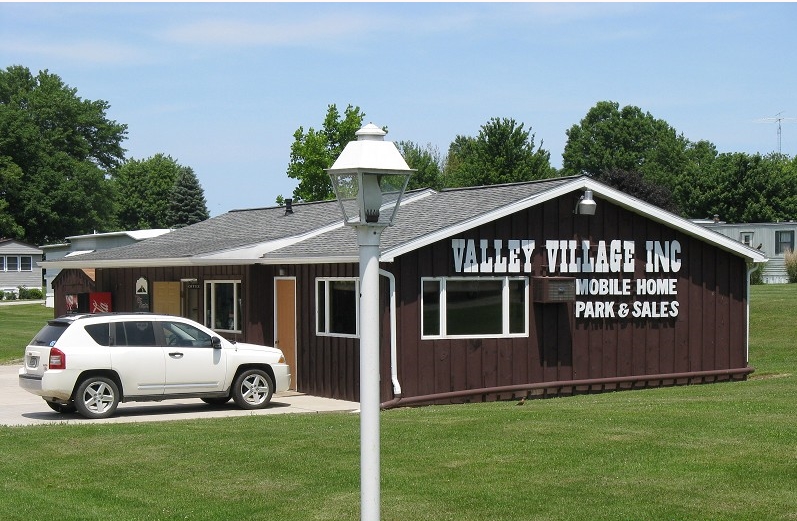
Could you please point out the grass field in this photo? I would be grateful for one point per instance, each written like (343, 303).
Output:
(709, 452)
(18, 324)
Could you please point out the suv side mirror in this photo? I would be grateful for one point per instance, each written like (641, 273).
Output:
(215, 342)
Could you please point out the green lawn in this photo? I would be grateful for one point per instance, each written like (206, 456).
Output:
(18, 324)
(709, 452)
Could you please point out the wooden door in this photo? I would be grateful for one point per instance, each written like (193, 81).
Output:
(166, 298)
(285, 322)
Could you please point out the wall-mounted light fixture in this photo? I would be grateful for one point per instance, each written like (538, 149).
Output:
(586, 205)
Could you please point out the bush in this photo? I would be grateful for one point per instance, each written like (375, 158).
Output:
(790, 257)
(30, 293)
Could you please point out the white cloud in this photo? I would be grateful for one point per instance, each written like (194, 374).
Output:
(87, 51)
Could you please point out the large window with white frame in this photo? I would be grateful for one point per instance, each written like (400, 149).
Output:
(16, 263)
(223, 305)
(474, 307)
(337, 306)
(784, 241)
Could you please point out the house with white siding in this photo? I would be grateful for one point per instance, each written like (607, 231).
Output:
(19, 266)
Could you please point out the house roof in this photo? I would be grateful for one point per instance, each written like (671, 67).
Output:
(314, 232)
(15, 247)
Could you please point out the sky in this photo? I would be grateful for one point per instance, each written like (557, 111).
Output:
(223, 87)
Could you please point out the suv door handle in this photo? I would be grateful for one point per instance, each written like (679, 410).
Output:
(176, 355)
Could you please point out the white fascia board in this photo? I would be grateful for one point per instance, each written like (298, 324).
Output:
(674, 221)
(340, 259)
(522, 204)
(585, 183)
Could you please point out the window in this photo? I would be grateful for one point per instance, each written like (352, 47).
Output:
(2, 263)
(134, 334)
(474, 307)
(223, 305)
(784, 240)
(26, 263)
(747, 238)
(100, 333)
(337, 307)
(12, 263)
(184, 335)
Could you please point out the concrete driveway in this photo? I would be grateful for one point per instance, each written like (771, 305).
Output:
(18, 407)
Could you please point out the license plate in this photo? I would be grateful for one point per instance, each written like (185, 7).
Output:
(33, 361)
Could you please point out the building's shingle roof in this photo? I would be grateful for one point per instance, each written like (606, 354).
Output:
(314, 232)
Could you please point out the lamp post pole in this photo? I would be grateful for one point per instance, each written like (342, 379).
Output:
(368, 241)
(372, 172)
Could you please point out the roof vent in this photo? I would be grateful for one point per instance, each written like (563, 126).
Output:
(288, 206)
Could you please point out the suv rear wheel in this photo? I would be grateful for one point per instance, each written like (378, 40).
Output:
(252, 389)
(97, 397)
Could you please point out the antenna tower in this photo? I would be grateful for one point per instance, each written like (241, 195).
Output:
(778, 118)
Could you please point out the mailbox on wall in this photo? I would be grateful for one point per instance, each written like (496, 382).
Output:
(551, 290)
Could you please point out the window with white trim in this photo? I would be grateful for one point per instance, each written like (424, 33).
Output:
(223, 305)
(26, 263)
(474, 307)
(12, 263)
(2, 263)
(784, 241)
(747, 238)
(337, 307)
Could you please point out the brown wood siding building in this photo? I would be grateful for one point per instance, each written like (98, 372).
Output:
(708, 333)
(656, 300)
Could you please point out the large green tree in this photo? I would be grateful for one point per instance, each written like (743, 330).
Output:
(144, 190)
(315, 150)
(187, 203)
(610, 138)
(427, 163)
(749, 188)
(56, 154)
(503, 152)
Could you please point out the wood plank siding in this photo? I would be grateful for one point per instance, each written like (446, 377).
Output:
(709, 332)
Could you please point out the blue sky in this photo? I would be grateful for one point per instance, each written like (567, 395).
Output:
(222, 87)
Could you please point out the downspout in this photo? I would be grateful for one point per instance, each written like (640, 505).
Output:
(747, 343)
(393, 354)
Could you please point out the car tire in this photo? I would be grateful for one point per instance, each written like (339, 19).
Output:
(216, 401)
(63, 408)
(252, 389)
(97, 397)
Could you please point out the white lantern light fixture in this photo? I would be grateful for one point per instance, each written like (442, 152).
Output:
(369, 179)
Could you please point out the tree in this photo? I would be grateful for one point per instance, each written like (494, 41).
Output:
(503, 152)
(627, 139)
(632, 183)
(316, 150)
(751, 188)
(426, 162)
(143, 190)
(56, 153)
(187, 204)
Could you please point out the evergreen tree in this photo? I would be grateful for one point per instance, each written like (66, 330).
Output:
(187, 204)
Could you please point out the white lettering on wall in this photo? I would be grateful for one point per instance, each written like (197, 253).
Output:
(516, 257)
(568, 256)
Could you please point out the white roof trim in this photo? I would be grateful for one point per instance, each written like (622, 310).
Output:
(598, 189)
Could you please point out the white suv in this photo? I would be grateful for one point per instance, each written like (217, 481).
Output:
(90, 363)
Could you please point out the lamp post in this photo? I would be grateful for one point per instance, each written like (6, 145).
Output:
(369, 178)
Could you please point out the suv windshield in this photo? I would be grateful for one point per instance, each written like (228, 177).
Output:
(49, 334)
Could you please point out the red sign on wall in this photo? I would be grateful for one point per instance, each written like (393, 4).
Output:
(100, 302)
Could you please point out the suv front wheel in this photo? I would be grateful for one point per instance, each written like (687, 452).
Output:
(252, 389)
(97, 397)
